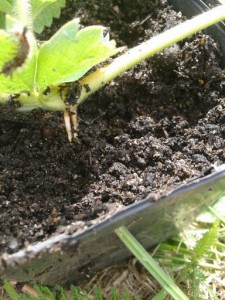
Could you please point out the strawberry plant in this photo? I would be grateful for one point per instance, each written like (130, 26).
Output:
(32, 72)
(50, 74)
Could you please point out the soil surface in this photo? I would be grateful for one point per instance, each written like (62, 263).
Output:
(154, 127)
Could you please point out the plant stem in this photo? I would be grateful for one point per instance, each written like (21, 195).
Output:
(102, 76)
(22, 9)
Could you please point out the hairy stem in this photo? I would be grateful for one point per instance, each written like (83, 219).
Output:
(22, 10)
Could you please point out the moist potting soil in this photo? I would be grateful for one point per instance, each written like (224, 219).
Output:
(156, 126)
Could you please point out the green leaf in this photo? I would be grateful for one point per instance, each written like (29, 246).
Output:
(17, 58)
(208, 240)
(5, 6)
(70, 53)
(43, 12)
(9, 49)
(9, 45)
(2, 20)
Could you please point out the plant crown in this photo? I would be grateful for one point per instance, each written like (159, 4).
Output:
(33, 72)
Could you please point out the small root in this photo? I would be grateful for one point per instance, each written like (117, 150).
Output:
(71, 122)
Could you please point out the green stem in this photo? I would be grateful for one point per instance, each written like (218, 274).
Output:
(102, 76)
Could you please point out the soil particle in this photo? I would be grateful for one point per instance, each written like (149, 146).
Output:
(158, 125)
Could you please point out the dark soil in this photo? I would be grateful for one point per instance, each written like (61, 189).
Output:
(154, 127)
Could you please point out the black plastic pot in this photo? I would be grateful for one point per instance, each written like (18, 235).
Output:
(69, 257)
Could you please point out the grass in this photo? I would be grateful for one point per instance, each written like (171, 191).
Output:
(150, 264)
(191, 266)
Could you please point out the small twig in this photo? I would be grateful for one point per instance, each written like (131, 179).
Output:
(28, 289)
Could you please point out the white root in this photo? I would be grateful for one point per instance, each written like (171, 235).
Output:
(71, 122)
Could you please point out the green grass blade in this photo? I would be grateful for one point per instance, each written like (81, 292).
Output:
(10, 290)
(161, 295)
(149, 263)
(98, 293)
(215, 214)
(114, 294)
